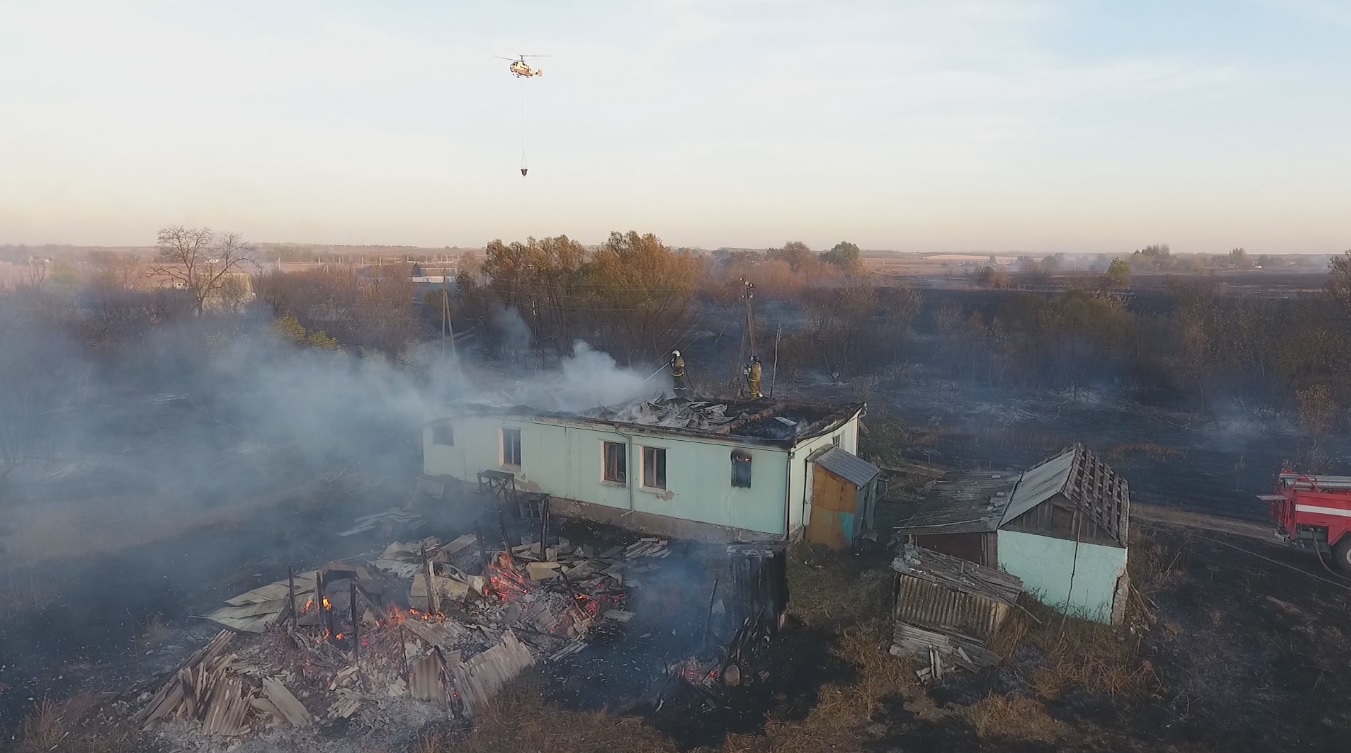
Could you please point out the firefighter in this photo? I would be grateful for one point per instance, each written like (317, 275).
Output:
(677, 365)
(753, 373)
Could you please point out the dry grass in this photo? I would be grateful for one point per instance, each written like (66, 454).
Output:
(56, 725)
(1079, 654)
(1151, 564)
(43, 728)
(520, 720)
(830, 590)
(1014, 717)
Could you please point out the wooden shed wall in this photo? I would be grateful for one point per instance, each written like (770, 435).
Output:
(980, 548)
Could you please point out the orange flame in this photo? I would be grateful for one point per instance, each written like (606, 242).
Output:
(327, 604)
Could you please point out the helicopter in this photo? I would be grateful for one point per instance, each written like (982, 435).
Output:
(520, 68)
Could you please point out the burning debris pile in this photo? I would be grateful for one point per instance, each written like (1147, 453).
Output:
(445, 624)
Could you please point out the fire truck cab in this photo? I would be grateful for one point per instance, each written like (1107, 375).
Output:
(1314, 512)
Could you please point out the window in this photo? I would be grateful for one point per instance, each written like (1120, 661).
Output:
(835, 440)
(443, 434)
(741, 469)
(511, 447)
(615, 462)
(654, 468)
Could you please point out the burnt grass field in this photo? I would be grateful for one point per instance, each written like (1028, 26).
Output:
(1232, 643)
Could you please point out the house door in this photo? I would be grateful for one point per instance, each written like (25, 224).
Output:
(833, 510)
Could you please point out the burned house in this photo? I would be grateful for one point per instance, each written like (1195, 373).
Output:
(720, 470)
(1060, 526)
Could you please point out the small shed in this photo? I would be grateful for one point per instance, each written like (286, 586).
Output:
(1061, 526)
(1065, 532)
(960, 516)
(950, 606)
(844, 495)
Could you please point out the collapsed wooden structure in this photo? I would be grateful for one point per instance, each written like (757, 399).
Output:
(948, 610)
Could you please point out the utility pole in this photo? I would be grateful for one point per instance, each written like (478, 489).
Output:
(774, 378)
(447, 328)
(750, 316)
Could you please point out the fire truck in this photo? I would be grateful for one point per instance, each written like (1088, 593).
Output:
(1314, 512)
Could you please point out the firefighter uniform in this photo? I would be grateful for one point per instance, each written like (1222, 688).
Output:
(677, 365)
(753, 374)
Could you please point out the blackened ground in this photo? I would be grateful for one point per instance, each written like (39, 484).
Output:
(628, 678)
(1248, 651)
(101, 623)
(627, 675)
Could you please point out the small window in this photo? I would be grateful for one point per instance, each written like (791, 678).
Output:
(615, 462)
(654, 468)
(835, 440)
(741, 469)
(511, 448)
(443, 434)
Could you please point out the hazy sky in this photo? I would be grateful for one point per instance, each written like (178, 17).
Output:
(1078, 125)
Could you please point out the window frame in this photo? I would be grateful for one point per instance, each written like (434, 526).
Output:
(658, 468)
(741, 459)
(502, 447)
(622, 453)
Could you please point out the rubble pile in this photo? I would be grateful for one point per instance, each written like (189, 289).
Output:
(424, 621)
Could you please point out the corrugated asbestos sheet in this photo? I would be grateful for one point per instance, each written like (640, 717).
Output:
(848, 466)
(952, 596)
(478, 679)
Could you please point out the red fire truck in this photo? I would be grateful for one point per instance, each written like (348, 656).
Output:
(1314, 512)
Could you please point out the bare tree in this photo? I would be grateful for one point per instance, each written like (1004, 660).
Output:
(34, 275)
(201, 261)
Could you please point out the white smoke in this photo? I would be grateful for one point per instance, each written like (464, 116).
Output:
(588, 379)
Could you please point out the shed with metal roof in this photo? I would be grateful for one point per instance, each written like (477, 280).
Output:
(1062, 526)
(843, 497)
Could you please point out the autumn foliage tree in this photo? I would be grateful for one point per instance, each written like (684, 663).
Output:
(634, 296)
(650, 289)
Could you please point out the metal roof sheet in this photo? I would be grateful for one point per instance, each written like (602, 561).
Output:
(1086, 482)
(1039, 484)
(848, 466)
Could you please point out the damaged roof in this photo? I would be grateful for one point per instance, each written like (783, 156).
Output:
(968, 503)
(958, 574)
(984, 502)
(848, 466)
(956, 598)
(764, 421)
(1086, 482)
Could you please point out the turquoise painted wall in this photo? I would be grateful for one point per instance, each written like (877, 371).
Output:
(565, 460)
(1045, 564)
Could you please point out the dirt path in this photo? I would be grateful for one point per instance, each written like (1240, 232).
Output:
(1156, 514)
